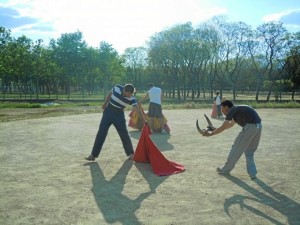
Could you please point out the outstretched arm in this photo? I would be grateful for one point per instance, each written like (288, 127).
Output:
(140, 112)
(226, 125)
(144, 98)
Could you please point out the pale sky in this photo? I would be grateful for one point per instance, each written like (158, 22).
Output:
(130, 23)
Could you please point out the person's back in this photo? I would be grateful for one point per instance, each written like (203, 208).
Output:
(155, 95)
(218, 100)
(242, 115)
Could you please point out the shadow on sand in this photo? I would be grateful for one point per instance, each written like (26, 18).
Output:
(112, 203)
(279, 202)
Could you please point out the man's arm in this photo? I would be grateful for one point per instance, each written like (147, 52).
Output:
(226, 125)
(144, 98)
(140, 112)
(106, 100)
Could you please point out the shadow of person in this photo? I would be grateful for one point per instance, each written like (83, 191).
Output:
(152, 179)
(135, 134)
(161, 141)
(279, 202)
(113, 204)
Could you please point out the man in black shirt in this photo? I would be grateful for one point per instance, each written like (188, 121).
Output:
(247, 140)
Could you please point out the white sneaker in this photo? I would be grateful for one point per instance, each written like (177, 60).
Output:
(220, 171)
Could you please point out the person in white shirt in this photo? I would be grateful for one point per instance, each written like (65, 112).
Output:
(155, 109)
(217, 101)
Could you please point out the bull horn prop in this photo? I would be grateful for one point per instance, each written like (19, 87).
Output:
(209, 128)
(208, 121)
(199, 129)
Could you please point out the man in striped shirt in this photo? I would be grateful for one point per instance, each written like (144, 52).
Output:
(113, 108)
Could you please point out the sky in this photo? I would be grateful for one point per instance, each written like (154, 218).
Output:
(131, 23)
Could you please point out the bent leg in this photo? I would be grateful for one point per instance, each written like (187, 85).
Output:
(234, 154)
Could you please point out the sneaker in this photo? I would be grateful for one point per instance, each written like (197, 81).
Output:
(90, 158)
(130, 157)
(219, 171)
(253, 177)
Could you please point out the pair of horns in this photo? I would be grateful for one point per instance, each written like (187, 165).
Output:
(210, 126)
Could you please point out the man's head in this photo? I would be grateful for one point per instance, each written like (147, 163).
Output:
(150, 85)
(129, 90)
(226, 106)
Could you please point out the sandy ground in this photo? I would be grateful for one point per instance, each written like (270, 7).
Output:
(44, 178)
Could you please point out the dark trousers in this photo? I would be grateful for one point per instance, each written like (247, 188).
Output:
(117, 118)
(219, 110)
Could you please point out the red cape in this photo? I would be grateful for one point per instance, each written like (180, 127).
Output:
(147, 152)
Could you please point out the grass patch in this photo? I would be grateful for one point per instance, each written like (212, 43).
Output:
(19, 105)
(273, 105)
(166, 105)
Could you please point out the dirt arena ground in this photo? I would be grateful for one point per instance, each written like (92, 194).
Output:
(44, 178)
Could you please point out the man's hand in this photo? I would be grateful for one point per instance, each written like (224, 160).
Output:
(146, 121)
(207, 134)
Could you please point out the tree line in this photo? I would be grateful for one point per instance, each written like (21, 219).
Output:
(187, 62)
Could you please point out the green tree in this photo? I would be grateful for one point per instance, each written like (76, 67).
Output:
(68, 53)
(292, 63)
(135, 61)
(268, 50)
(6, 64)
(234, 51)
(91, 69)
(111, 66)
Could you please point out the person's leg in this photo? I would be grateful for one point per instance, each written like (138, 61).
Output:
(250, 164)
(120, 124)
(249, 153)
(161, 123)
(233, 156)
(151, 115)
(151, 123)
(219, 110)
(240, 144)
(102, 133)
(158, 118)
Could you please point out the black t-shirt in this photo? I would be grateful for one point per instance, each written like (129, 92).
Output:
(242, 115)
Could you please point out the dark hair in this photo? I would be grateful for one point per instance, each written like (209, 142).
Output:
(129, 88)
(227, 103)
(150, 85)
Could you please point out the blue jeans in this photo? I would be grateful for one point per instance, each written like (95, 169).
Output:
(117, 118)
(250, 164)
